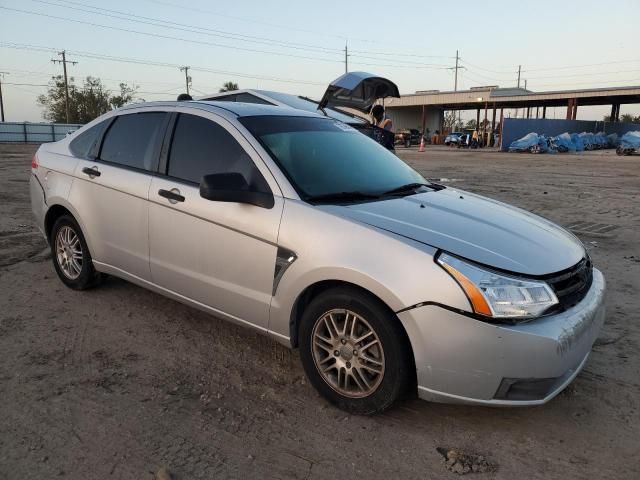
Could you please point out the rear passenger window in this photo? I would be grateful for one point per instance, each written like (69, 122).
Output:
(131, 140)
(83, 143)
(201, 147)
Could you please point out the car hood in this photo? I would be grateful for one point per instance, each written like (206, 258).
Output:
(478, 228)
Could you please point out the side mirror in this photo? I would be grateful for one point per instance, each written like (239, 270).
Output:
(233, 187)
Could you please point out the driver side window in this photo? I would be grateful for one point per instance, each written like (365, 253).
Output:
(201, 147)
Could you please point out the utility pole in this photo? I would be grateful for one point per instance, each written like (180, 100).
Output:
(187, 78)
(346, 58)
(455, 87)
(2, 74)
(525, 83)
(66, 82)
(519, 68)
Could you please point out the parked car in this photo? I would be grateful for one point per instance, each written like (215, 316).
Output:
(408, 137)
(466, 140)
(354, 90)
(383, 280)
(453, 138)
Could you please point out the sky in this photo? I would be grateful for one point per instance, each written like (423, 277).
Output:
(298, 47)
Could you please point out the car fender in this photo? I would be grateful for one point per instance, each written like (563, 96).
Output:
(328, 247)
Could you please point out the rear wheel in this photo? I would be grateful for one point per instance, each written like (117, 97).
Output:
(354, 351)
(71, 257)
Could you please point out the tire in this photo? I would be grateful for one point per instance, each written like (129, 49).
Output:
(363, 377)
(67, 241)
(407, 143)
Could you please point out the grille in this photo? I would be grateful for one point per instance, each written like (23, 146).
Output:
(571, 285)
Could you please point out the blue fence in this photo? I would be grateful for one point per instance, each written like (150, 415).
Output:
(26, 132)
(515, 128)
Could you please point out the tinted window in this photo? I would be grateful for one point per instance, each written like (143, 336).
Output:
(241, 97)
(82, 144)
(323, 156)
(201, 147)
(131, 140)
(304, 103)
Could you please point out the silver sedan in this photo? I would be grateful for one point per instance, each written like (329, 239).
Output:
(304, 229)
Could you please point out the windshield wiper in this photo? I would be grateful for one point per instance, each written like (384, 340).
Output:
(342, 196)
(408, 188)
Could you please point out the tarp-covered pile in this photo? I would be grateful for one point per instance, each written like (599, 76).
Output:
(630, 140)
(572, 142)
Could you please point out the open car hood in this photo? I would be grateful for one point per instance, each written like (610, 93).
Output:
(358, 90)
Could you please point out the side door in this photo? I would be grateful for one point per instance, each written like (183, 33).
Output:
(219, 254)
(110, 191)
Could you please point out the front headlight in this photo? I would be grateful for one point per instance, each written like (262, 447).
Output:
(498, 295)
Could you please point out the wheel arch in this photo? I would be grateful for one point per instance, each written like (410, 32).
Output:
(317, 288)
(57, 208)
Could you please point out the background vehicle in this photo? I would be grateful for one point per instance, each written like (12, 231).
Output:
(466, 140)
(354, 90)
(453, 138)
(408, 137)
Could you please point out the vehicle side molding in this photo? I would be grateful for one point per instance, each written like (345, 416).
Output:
(233, 187)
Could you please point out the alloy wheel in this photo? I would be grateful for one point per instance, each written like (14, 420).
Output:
(69, 252)
(348, 353)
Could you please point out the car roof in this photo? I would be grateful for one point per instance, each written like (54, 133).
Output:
(237, 108)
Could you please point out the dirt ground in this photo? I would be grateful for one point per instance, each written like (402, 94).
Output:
(118, 382)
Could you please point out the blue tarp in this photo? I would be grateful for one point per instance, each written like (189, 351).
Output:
(529, 140)
(577, 142)
(630, 140)
(563, 143)
(572, 142)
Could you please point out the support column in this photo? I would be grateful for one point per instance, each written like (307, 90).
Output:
(478, 119)
(484, 125)
(612, 117)
(569, 108)
(574, 114)
(424, 118)
(493, 126)
(501, 124)
(544, 111)
(493, 119)
(537, 112)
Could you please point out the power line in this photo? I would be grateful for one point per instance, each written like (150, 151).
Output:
(2, 74)
(64, 62)
(567, 67)
(405, 63)
(186, 27)
(187, 78)
(97, 56)
(168, 37)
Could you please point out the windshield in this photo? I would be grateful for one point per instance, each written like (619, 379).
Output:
(322, 157)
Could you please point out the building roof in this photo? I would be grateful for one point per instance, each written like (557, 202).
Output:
(515, 98)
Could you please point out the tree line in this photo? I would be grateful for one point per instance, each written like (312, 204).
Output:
(89, 100)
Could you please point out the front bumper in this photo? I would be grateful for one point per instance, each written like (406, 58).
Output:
(463, 360)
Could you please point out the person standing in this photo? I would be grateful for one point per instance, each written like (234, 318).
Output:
(382, 128)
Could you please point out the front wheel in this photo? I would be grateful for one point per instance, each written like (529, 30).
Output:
(354, 351)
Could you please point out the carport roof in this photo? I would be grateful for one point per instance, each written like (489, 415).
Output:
(515, 98)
